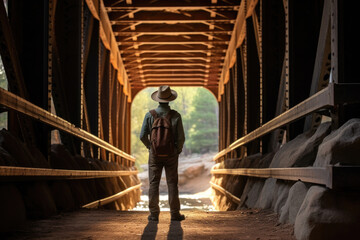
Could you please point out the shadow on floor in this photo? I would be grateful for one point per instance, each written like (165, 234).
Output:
(150, 231)
(175, 231)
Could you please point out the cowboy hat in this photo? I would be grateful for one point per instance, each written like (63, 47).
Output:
(164, 94)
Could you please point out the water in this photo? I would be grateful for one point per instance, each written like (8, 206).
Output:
(198, 201)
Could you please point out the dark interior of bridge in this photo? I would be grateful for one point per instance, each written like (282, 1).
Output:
(283, 72)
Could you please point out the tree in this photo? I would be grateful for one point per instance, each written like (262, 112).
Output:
(204, 120)
(140, 106)
(198, 109)
(183, 104)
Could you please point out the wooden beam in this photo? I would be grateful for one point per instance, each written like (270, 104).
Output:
(322, 99)
(168, 25)
(112, 198)
(173, 38)
(206, 51)
(182, 42)
(145, 5)
(168, 31)
(178, 70)
(171, 45)
(163, 21)
(329, 97)
(333, 177)
(181, 54)
(175, 61)
(315, 175)
(23, 173)
(321, 73)
(170, 64)
(200, 15)
(226, 193)
(20, 105)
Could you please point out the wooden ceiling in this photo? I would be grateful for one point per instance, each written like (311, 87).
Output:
(173, 42)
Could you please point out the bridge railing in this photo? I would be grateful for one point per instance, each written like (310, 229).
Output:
(11, 173)
(331, 176)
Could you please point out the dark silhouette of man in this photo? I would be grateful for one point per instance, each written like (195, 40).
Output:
(164, 95)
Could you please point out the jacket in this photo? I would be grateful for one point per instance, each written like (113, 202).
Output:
(177, 127)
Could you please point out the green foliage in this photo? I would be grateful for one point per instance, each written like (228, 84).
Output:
(204, 123)
(140, 106)
(198, 109)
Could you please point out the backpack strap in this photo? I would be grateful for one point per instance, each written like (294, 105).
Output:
(169, 115)
(154, 113)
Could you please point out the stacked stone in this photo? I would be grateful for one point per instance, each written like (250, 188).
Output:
(24, 200)
(316, 211)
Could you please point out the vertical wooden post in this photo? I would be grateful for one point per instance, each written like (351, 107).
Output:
(68, 66)
(273, 62)
(303, 33)
(253, 85)
(31, 39)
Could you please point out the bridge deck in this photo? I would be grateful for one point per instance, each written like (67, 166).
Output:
(107, 224)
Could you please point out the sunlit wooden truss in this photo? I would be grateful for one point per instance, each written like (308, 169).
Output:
(179, 43)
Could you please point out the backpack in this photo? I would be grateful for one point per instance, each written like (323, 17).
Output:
(161, 136)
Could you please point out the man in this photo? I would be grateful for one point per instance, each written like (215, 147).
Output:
(158, 161)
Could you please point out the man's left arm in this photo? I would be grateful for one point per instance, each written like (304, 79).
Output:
(180, 135)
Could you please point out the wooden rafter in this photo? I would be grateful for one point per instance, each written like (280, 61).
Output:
(173, 42)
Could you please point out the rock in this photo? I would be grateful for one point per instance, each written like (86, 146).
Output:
(12, 208)
(327, 214)
(6, 159)
(62, 196)
(293, 203)
(273, 195)
(251, 192)
(341, 146)
(87, 184)
(61, 158)
(281, 196)
(38, 200)
(82, 162)
(182, 179)
(301, 151)
(15, 148)
(38, 158)
(267, 194)
(194, 171)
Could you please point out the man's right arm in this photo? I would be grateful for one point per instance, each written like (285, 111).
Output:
(145, 131)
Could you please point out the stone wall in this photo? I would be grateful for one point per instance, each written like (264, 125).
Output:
(24, 200)
(315, 211)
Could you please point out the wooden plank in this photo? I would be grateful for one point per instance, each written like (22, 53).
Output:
(173, 38)
(321, 73)
(316, 175)
(173, 50)
(169, 32)
(172, 5)
(322, 99)
(15, 78)
(175, 46)
(201, 15)
(20, 105)
(225, 192)
(137, 21)
(9, 173)
(112, 198)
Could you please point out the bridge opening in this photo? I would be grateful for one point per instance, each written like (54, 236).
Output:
(199, 111)
(4, 85)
